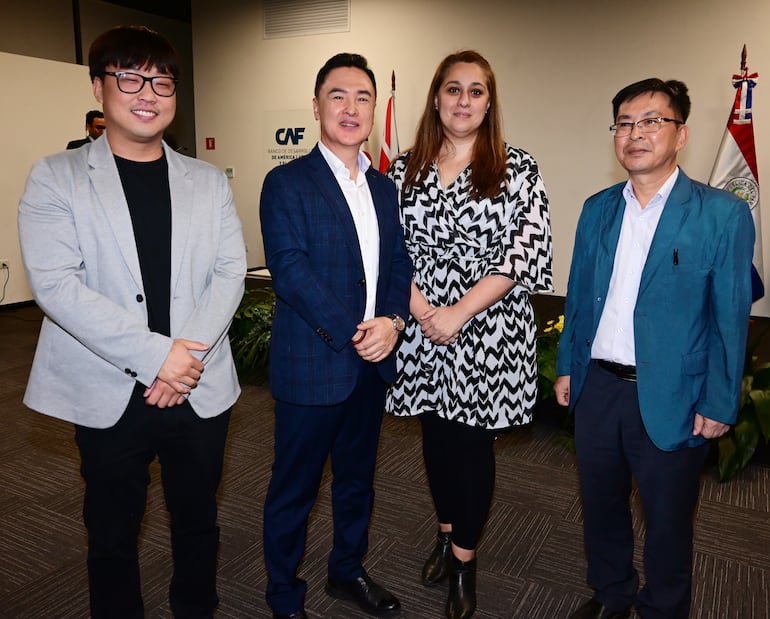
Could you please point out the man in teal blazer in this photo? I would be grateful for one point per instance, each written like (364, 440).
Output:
(651, 357)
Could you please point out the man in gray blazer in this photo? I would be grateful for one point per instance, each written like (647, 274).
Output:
(135, 254)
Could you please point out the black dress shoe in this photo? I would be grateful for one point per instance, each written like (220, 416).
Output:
(300, 614)
(370, 597)
(594, 609)
(436, 568)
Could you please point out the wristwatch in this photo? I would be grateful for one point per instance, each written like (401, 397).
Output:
(398, 322)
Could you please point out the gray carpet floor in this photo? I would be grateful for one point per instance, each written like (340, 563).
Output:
(531, 563)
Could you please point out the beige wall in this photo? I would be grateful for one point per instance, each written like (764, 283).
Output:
(558, 64)
(30, 131)
(42, 29)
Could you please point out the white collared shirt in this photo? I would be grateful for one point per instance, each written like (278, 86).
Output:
(359, 200)
(614, 340)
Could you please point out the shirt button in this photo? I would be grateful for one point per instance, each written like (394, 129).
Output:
(139, 298)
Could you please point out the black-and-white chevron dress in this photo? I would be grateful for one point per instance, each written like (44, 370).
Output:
(488, 377)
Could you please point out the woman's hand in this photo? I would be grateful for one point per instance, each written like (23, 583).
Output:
(441, 325)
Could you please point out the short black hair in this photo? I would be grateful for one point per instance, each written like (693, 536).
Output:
(132, 47)
(341, 60)
(93, 114)
(674, 89)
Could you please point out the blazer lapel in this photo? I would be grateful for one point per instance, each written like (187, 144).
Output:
(324, 181)
(182, 203)
(108, 190)
(675, 213)
(611, 221)
(379, 198)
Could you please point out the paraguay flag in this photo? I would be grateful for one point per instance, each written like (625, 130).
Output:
(389, 147)
(735, 168)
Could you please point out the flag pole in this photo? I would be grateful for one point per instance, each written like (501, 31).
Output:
(744, 70)
(389, 146)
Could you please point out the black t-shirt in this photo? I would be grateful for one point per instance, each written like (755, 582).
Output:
(145, 185)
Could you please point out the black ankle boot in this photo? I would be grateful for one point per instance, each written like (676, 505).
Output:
(461, 603)
(436, 568)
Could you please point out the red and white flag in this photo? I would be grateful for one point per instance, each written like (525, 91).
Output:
(735, 168)
(389, 147)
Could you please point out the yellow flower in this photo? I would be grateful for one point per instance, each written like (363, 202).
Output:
(557, 325)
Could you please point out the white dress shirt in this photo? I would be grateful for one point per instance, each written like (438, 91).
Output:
(614, 340)
(359, 200)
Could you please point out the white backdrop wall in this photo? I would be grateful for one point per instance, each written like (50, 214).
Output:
(43, 106)
(558, 65)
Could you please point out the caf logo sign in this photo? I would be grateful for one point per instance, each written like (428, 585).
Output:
(744, 188)
(284, 135)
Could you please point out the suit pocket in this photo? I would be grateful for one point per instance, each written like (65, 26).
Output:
(695, 363)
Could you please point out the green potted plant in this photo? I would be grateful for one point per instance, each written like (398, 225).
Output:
(737, 447)
(547, 344)
(250, 334)
(547, 347)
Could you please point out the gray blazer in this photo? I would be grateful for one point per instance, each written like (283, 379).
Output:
(81, 261)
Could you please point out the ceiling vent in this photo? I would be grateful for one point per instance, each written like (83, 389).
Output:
(299, 18)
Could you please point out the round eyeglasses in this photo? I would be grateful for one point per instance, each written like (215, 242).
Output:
(132, 83)
(646, 125)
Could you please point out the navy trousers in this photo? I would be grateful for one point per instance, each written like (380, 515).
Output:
(305, 436)
(115, 466)
(612, 448)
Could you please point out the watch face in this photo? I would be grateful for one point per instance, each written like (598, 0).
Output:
(398, 322)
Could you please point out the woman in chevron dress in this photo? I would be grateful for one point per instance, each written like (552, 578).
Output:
(476, 222)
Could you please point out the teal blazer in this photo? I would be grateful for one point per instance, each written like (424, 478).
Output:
(692, 313)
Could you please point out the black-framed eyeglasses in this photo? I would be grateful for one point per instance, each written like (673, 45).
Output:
(132, 83)
(646, 125)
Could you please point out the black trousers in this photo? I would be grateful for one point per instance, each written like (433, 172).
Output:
(460, 462)
(115, 466)
(612, 448)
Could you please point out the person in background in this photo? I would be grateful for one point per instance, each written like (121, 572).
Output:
(341, 274)
(135, 255)
(475, 215)
(94, 129)
(651, 355)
